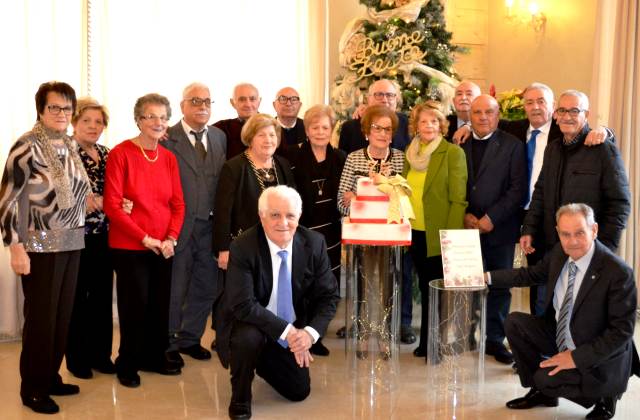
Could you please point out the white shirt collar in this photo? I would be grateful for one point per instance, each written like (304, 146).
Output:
(274, 249)
(583, 262)
(545, 128)
(477, 137)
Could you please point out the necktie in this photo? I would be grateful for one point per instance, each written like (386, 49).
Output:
(285, 298)
(531, 151)
(562, 328)
(200, 151)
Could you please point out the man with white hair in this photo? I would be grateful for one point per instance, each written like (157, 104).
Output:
(201, 151)
(574, 173)
(246, 101)
(280, 297)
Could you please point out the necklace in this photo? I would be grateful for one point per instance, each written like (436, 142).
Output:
(378, 165)
(263, 174)
(320, 184)
(145, 154)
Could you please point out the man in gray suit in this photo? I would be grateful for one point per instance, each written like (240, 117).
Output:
(201, 152)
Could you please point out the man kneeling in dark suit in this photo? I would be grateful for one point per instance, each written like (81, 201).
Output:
(279, 297)
(582, 347)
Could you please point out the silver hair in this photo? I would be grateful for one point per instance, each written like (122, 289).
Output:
(281, 191)
(191, 86)
(582, 98)
(548, 93)
(244, 84)
(577, 208)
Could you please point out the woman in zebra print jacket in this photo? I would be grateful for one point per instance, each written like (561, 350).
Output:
(42, 208)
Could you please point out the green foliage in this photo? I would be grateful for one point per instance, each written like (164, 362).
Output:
(418, 87)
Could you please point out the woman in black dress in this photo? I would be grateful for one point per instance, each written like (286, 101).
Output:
(317, 167)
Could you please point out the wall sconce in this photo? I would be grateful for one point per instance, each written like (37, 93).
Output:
(522, 11)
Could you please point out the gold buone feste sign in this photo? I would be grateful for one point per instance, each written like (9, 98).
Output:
(369, 58)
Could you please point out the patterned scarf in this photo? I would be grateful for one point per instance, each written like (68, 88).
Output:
(418, 160)
(61, 181)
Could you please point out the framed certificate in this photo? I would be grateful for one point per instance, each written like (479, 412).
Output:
(461, 258)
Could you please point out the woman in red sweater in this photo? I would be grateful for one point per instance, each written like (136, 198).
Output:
(142, 238)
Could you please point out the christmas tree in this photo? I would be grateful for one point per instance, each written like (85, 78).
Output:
(402, 40)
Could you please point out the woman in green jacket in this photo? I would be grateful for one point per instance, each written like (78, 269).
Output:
(436, 170)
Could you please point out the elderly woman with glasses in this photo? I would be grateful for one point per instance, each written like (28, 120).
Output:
(91, 328)
(142, 238)
(378, 125)
(42, 213)
(242, 180)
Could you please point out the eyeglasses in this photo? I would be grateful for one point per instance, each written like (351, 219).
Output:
(284, 99)
(377, 129)
(574, 112)
(55, 109)
(152, 117)
(381, 95)
(195, 101)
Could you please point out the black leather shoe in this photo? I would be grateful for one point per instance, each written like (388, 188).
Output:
(175, 358)
(240, 411)
(130, 380)
(533, 398)
(406, 335)
(82, 373)
(107, 367)
(420, 352)
(604, 409)
(64, 389)
(167, 368)
(319, 349)
(42, 405)
(342, 332)
(499, 351)
(197, 352)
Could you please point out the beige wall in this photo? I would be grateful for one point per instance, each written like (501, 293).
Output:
(561, 56)
(506, 54)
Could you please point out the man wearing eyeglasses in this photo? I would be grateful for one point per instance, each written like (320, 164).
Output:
(381, 92)
(287, 105)
(572, 172)
(201, 152)
(246, 101)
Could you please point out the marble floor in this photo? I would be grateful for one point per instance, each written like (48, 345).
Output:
(203, 392)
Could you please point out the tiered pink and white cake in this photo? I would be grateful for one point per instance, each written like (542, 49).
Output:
(367, 224)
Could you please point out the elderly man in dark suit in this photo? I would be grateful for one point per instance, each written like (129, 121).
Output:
(246, 101)
(279, 299)
(582, 347)
(496, 189)
(200, 151)
(465, 93)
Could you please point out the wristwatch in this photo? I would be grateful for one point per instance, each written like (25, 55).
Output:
(173, 241)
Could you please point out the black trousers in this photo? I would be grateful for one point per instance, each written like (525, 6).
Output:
(498, 299)
(427, 268)
(252, 351)
(533, 339)
(143, 287)
(91, 328)
(48, 300)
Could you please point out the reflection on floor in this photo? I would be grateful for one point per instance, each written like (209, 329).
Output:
(203, 392)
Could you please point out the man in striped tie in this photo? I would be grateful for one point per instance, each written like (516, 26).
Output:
(278, 300)
(581, 348)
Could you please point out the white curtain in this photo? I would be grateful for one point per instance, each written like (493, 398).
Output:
(616, 85)
(160, 46)
(118, 50)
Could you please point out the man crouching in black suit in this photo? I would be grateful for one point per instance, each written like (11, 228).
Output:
(279, 297)
(582, 347)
